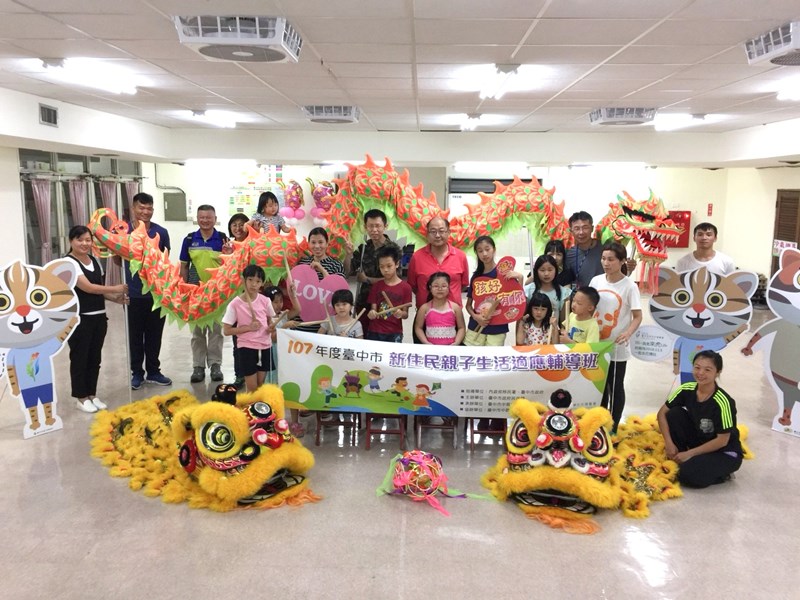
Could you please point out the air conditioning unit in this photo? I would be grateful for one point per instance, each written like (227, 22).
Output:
(332, 114)
(241, 39)
(781, 46)
(622, 116)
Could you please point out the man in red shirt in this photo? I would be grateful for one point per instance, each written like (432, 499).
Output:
(438, 255)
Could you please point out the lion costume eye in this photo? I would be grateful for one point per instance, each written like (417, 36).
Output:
(217, 437)
(598, 446)
(5, 302)
(518, 435)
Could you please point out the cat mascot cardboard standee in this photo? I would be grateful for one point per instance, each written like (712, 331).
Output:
(780, 339)
(38, 312)
(703, 310)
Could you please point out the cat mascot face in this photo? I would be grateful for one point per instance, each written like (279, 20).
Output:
(233, 452)
(701, 305)
(38, 311)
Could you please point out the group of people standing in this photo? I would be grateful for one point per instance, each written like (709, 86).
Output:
(605, 305)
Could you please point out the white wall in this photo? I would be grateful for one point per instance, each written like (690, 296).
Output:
(13, 246)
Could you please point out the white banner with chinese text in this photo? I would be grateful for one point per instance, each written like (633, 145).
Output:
(319, 372)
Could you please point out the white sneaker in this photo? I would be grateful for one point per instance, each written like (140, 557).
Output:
(99, 403)
(86, 406)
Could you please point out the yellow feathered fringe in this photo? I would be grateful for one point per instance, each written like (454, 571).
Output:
(137, 441)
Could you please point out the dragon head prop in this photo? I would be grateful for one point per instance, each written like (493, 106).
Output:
(226, 454)
(561, 466)
(647, 224)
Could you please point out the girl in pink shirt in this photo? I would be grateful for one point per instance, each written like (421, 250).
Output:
(440, 321)
(248, 318)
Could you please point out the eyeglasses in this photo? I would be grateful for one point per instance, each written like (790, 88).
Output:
(438, 232)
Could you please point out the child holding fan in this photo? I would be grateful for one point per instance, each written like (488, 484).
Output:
(479, 331)
(442, 318)
(248, 318)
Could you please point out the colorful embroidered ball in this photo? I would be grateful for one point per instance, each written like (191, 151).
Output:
(420, 476)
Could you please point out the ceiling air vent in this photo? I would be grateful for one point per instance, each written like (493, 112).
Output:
(241, 39)
(621, 116)
(48, 115)
(781, 46)
(332, 114)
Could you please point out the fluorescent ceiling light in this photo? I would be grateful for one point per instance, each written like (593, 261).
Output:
(218, 118)
(790, 90)
(470, 122)
(673, 121)
(500, 82)
(89, 72)
(493, 81)
(610, 165)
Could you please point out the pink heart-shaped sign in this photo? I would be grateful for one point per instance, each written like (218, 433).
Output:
(315, 295)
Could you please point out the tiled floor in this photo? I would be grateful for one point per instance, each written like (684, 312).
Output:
(71, 531)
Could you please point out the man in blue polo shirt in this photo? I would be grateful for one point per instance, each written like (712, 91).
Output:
(145, 326)
(200, 251)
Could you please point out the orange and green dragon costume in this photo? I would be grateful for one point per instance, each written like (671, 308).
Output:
(368, 186)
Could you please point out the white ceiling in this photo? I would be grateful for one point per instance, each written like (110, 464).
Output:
(396, 60)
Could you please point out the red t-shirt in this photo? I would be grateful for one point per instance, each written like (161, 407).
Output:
(423, 265)
(399, 293)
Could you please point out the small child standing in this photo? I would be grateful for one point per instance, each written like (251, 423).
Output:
(442, 318)
(388, 327)
(267, 214)
(254, 339)
(342, 323)
(534, 328)
(582, 327)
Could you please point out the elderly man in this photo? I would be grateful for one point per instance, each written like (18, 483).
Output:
(200, 251)
(438, 255)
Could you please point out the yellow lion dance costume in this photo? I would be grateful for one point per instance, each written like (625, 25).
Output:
(561, 465)
(230, 453)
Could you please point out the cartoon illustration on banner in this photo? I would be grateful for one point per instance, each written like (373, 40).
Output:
(39, 308)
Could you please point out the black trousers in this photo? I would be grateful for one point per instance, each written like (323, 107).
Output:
(706, 469)
(145, 328)
(614, 393)
(85, 352)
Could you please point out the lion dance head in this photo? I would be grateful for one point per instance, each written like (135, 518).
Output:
(561, 466)
(232, 452)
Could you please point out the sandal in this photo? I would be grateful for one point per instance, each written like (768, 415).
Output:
(297, 430)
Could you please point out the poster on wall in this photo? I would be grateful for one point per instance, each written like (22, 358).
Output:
(324, 372)
(779, 339)
(39, 308)
(251, 183)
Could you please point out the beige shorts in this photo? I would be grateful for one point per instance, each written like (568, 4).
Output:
(474, 338)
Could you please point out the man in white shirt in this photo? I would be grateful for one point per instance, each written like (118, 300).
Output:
(705, 235)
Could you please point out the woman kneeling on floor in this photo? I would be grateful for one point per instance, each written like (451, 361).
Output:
(698, 423)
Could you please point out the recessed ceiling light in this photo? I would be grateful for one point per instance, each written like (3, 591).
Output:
(491, 80)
